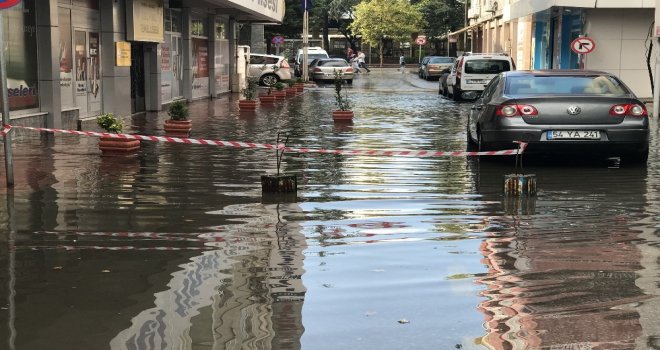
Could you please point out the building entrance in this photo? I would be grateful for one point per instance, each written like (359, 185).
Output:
(138, 78)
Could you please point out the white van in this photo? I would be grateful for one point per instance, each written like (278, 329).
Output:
(472, 72)
(312, 53)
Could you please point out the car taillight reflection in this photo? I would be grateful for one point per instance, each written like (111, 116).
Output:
(628, 109)
(317, 70)
(284, 64)
(516, 110)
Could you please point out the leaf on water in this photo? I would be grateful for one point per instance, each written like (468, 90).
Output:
(460, 276)
(403, 321)
(57, 267)
(105, 271)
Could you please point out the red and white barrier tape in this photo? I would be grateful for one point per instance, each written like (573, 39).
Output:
(5, 129)
(239, 144)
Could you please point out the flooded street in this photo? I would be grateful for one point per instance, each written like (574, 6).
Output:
(175, 249)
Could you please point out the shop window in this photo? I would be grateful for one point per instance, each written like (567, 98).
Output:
(21, 40)
(198, 27)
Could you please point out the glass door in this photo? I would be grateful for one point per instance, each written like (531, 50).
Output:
(87, 72)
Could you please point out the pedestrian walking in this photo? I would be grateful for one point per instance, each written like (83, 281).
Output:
(354, 64)
(361, 63)
(402, 62)
(349, 54)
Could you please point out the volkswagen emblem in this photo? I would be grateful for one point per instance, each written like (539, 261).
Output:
(573, 110)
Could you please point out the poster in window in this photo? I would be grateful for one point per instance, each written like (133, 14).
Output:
(65, 58)
(94, 64)
(81, 62)
(200, 69)
(21, 41)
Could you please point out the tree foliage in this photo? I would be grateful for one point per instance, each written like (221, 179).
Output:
(376, 20)
(442, 16)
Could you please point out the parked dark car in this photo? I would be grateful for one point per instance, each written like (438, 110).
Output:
(561, 111)
(323, 69)
(422, 63)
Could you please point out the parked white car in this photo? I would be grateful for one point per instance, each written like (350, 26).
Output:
(312, 54)
(472, 72)
(269, 68)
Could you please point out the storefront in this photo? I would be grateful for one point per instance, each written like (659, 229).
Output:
(21, 40)
(148, 52)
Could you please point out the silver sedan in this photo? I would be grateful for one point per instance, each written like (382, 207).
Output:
(325, 69)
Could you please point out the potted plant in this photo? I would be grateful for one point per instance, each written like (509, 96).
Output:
(343, 113)
(249, 93)
(300, 84)
(113, 146)
(291, 89)
(279, 90)
(178, 124)
(268, 98)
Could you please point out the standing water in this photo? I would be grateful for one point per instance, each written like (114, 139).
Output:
(175, 249)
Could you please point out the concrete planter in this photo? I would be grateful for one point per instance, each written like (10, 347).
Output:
(339, 116)
(178, 128)
(247, 105)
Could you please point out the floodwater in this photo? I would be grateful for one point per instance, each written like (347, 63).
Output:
(176, 249)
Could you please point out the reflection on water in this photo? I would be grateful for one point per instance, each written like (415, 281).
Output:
(176, 249)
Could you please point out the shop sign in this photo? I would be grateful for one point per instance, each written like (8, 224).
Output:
(123, 58)
(5, 4)
(272, 9)
(145, 20)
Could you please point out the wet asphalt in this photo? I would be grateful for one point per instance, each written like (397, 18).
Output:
(176, 248)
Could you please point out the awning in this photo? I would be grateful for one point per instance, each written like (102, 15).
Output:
(266, 11)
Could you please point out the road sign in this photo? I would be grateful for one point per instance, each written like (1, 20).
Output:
(421, 40)
(277, 40)
(583, 45)
(4, 4)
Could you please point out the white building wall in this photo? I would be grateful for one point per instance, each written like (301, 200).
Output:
(621, 36)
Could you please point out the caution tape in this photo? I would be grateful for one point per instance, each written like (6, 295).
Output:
(5, 130)
(251, 145)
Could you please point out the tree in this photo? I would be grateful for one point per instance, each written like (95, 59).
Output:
(341, 13)
(376, 20)
(442, 16)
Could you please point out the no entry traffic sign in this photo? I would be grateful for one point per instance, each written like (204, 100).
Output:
(583, 45)
(277, 40)
(421, 40)
(4, 4)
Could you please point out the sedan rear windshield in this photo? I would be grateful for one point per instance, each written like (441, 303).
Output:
(338, 63)
(441, 60)
(565, 85)
(486, 66)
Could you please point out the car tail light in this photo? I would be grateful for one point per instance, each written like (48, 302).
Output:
(349, 70)
(284, 64)
(317, 70)
(458, 68)
(632, 109)
(516, 110)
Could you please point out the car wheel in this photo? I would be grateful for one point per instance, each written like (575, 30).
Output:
(456, 94)
(269, 79)
(471, 144)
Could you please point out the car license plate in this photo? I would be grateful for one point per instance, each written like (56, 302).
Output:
(573, 134)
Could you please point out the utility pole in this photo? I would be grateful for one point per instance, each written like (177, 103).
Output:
(307, 5)
(9, 163)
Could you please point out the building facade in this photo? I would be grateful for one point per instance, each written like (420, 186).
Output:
(538, 35)
(68, 60)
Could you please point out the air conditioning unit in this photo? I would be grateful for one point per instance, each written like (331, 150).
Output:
(492, 6)
(473, 13)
